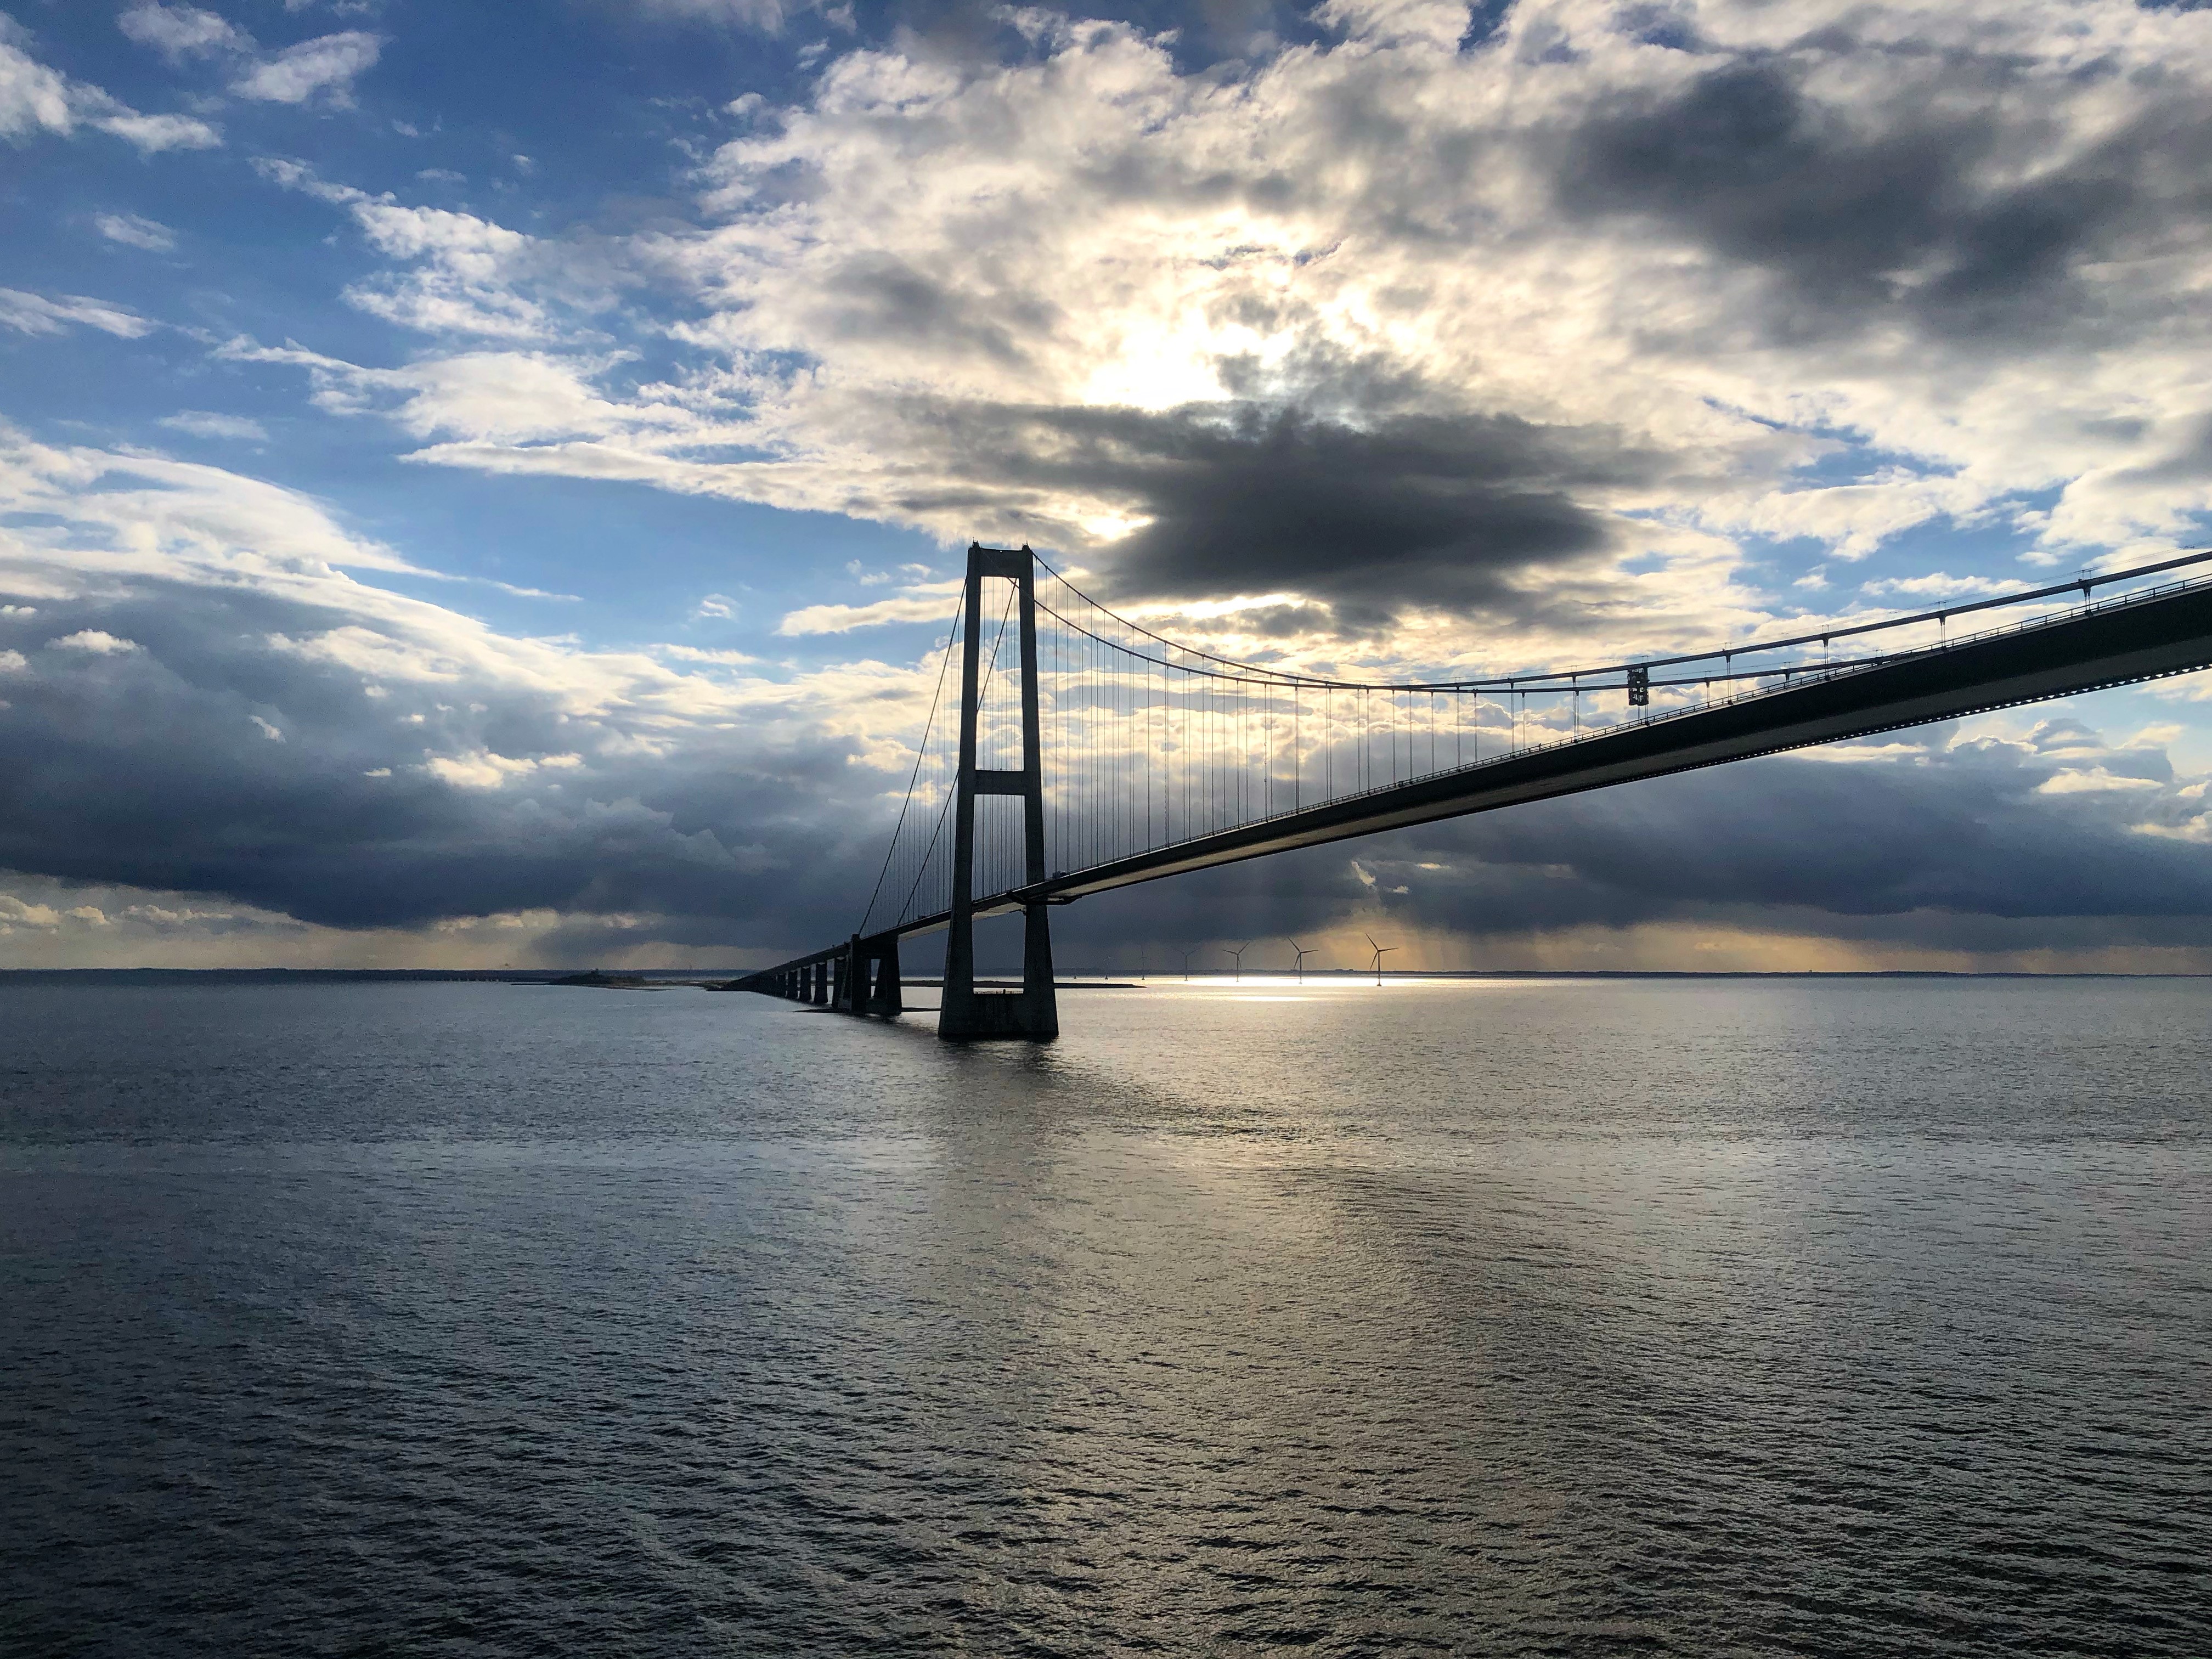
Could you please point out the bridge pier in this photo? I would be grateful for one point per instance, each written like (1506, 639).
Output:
(884, 996)
(966, 1013)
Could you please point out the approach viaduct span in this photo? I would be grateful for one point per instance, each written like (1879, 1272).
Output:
(1087, 753)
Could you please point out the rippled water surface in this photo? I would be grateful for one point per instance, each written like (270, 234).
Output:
(1688, 1317)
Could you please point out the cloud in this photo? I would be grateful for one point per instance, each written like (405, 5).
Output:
(193, 613)
(93, 642)
(153, 134)
(181, 32)
(35, 99)
(1530, 332)
(766, 17)
(927, 604)
(201, 423)
(467, 274)
(2024, 819)
(135, 230)
(50, 923)
(694, 653)
(1938, 585)
(2030, 841)
(328, 65)
(33, 314)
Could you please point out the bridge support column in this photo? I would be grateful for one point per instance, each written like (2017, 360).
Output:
(884, 997)
(853, 979)
(1033, 1011)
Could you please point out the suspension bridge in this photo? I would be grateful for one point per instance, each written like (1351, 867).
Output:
(1079, 752)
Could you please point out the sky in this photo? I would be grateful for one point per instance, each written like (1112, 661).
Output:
(484, 483)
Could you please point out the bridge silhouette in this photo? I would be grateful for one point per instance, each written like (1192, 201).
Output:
(1080, 752)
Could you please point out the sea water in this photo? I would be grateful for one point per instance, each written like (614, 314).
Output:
(1586, 1316)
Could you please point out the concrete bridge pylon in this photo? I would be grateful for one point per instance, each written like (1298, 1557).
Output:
(966, 1013)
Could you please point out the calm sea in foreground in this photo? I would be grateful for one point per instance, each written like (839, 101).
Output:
(1846, 1316)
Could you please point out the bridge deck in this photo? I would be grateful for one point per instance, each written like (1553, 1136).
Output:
(2116, 642)
(2119, 642)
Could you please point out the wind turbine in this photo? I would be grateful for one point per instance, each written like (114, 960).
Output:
(1187, 956)
(1238, 953)
(1303, 954)
(1379, 949)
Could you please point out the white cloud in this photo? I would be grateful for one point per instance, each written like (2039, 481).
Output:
(33, 314)
(267, 730)
(135, 230)
(480, 768)
(153, 133)
(694, 654)
(93, 642)
(181, 32)
(203, 423)
(467, 271)
(926, 605)
(1937, 586)
(35, 99)
(766, 16)
(2092, 781)
(329, 65)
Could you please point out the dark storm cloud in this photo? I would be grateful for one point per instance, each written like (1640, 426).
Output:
(1411, 511)
(1972, 829)
(147, 766)
(1915, 209)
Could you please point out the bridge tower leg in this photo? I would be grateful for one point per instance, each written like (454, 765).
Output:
(1032, 1011)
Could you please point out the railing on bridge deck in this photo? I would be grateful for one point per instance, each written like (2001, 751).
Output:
(1089, 752)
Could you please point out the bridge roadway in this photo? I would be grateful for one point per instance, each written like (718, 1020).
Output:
(2120, 642)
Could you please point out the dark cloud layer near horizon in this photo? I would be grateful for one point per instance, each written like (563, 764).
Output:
(1964, 845)
(205, 752)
